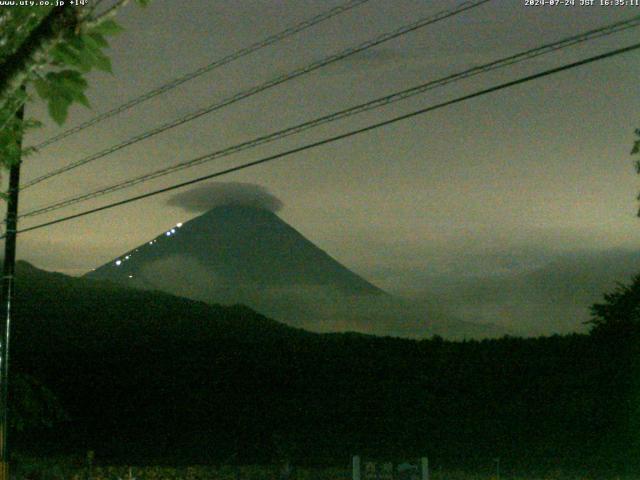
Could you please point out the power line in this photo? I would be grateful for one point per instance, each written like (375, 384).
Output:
(340, 136)
(264, 86)
(377, 103)
(243, 52)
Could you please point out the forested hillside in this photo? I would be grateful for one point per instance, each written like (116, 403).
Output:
(148, 377)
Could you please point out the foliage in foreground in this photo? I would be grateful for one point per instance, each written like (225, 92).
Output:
(51, 48)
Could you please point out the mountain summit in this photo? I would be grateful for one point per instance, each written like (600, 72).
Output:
(239, 254)
(245, 254)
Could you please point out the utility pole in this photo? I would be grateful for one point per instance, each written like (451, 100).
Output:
(8, 271)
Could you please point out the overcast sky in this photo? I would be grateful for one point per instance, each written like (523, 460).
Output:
(502, 183)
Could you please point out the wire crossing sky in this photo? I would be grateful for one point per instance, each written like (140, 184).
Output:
(411, 27)
(342, 136)
(300, 27)
(377, 103)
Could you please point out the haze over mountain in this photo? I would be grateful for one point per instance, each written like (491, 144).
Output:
(552, 297)
(240, 251)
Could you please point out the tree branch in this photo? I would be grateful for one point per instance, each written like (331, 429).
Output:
(17, 67)
(109, 12)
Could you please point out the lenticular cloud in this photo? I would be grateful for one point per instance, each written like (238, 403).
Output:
(211, 195)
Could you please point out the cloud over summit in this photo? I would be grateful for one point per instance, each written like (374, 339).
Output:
(217, 194)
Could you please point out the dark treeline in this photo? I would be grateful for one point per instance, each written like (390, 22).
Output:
(145, 377)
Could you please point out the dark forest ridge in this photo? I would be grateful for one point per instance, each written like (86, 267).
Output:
(148, 377)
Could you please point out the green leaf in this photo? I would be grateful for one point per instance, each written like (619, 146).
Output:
(64, 54)
(99, 39)
(69, 92)
(91, 42)
(84, 52)
(58, 88)
(91, 56)
(62, 89)
(82, 99)
(143, 3)
(58, 109)
(42, 87)
(107, 27)
(72, 77)
(102, 62)
(88, 52)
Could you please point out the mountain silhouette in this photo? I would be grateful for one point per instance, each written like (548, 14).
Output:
(239, 247)
(239, 254)
(235, 254)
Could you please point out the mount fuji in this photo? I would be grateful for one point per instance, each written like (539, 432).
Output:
(240, 254)
(245, 254)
